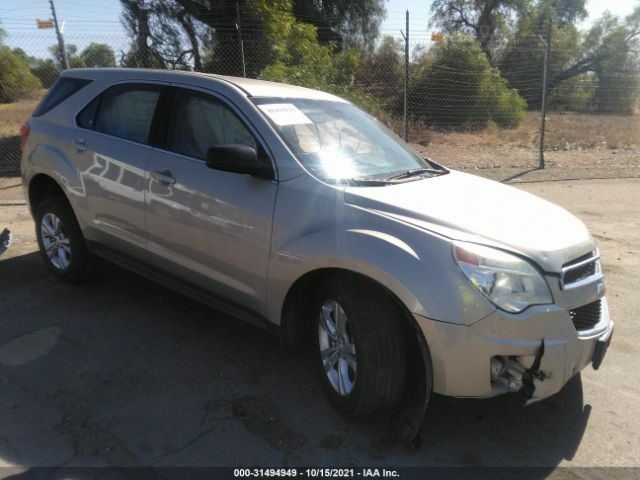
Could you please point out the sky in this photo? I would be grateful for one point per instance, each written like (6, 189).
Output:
(99, 21)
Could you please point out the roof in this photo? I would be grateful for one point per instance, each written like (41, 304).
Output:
(251, 87)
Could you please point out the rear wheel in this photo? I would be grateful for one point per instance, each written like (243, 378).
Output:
(360, 346)
(61, 243)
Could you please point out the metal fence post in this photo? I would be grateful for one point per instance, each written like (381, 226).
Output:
(63, 48)
(406, 78)
(239, 29)
(543, 109)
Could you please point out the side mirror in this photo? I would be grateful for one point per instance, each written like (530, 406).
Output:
(238, 159)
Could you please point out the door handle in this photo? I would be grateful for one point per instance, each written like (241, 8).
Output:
(79, 145)
(163, 176)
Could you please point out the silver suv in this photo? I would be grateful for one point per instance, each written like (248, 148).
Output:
(293, 209)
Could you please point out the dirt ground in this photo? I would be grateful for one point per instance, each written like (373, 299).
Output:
(121, 372)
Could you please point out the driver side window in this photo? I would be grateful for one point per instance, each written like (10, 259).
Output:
(200, 121)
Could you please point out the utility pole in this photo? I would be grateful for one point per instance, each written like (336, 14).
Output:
(543, 109)
(63, 49)
(406, 76)
(239, 30)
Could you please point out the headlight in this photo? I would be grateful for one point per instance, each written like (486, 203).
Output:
(509, 282)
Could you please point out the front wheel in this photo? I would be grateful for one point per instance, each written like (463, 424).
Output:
(61, 242)
(360, 346)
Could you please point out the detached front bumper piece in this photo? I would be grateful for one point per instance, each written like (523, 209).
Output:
(534, 353)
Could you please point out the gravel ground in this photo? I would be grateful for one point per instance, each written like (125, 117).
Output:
(121, 372)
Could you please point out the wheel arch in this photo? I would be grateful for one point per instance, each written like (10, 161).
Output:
(50, 161)
(42, 186)
(301, 291)
(296, 309)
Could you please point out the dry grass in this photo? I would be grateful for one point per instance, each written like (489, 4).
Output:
(564, 131)
(13, 115)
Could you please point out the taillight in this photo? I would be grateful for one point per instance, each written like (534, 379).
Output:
(24, 134)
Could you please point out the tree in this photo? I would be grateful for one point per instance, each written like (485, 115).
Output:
(522, 62)
(297, 57)
(490, 21)
(604, 60)
(46, 70)
(613, 47)
(381, 72)
(206, 34)
(75, 61)
(224, 21)
(98, 55)
(347, 23)
(43, 68)
(16, 81)
(136, 19)
(458, 88)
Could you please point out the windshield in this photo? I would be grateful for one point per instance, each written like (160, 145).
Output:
(339, 142)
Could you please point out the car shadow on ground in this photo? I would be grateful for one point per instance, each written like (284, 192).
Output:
(121, 372)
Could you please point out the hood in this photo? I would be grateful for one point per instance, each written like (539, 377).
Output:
(470, 208)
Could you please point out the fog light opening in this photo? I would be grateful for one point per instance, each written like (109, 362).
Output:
(518, 373)
(507, 373)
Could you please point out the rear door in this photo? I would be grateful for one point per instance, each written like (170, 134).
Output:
(210, 227)
(112, 150)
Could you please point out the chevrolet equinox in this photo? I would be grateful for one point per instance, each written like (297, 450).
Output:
(293, 209)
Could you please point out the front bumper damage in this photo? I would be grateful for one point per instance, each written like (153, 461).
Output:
(534, 353)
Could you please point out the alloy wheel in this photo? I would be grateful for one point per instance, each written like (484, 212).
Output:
(55, 242)
(337, 347)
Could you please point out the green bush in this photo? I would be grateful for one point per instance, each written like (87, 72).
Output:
(503, 106)
(46, 71)
(574, 94)
(617, 93)
(454, 86)
(16, 81)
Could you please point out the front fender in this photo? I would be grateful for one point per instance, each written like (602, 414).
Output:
(355, 250)
(315, 228)
(416, 268)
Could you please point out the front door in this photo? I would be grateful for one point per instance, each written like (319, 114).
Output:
(210, 227)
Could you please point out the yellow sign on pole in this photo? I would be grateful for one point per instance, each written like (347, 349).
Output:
(437, 37)
(44, 23)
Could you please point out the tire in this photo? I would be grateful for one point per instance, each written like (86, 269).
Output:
(68, 258)
(374, 333)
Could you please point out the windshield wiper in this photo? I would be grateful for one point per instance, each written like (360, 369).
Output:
(416, 172)
(369, 182)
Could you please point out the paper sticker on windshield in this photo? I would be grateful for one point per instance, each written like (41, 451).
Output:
(284, 114)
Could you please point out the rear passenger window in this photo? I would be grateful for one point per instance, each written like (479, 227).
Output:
(61, 90)
(124, 111)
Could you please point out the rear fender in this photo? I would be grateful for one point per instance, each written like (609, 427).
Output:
(51, 161)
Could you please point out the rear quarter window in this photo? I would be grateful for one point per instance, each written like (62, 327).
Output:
(62, 89)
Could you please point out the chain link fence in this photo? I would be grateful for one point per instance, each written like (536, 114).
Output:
(463, 112)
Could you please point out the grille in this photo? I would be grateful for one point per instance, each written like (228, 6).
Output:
(587, 316)
(578, 273)
(580, 268)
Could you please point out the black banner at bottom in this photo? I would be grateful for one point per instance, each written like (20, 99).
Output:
(403, 473)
